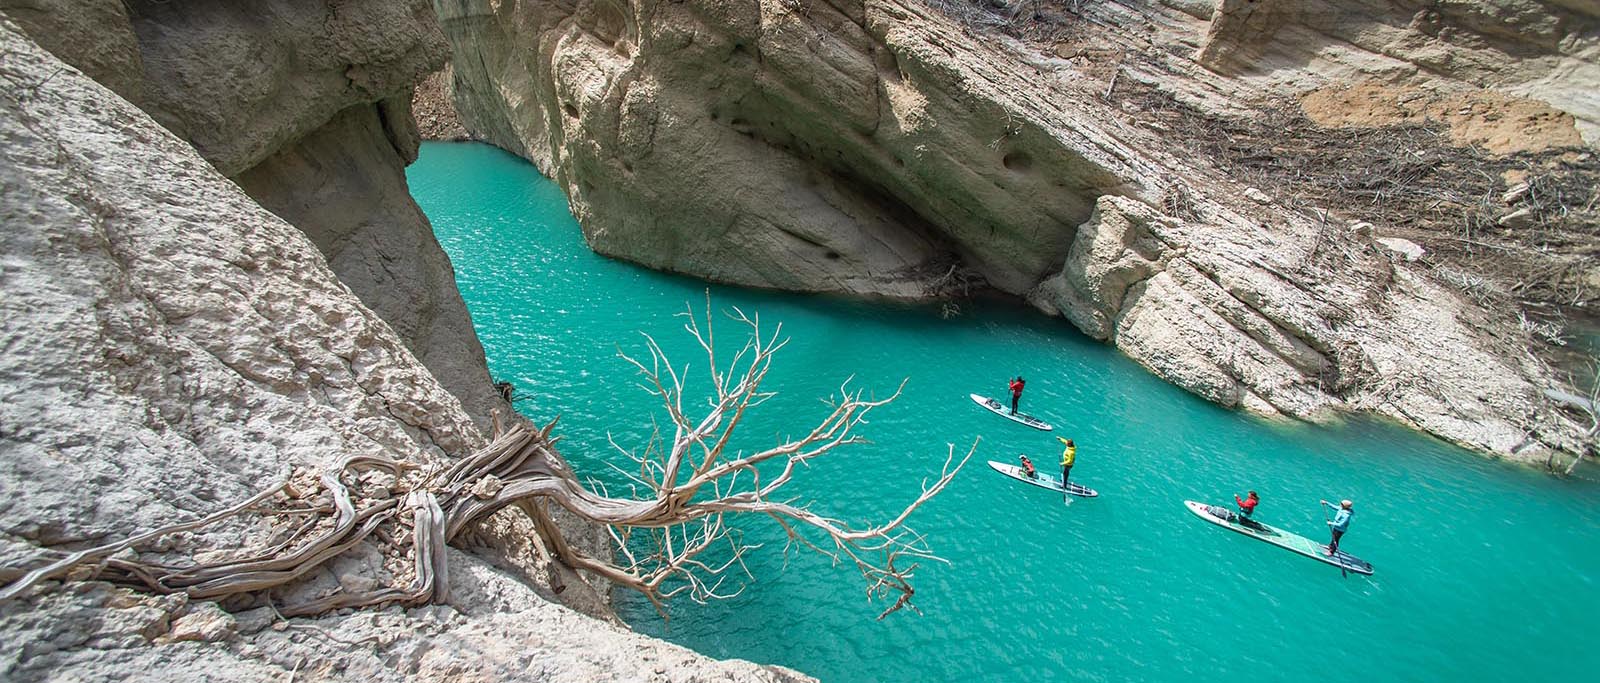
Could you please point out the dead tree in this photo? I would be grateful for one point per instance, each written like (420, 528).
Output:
(1589, 408)
(667, 534)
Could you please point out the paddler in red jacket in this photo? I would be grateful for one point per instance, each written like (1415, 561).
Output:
(1247, 505)
(1016, 392)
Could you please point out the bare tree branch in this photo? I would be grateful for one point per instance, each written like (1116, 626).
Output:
(672, 533)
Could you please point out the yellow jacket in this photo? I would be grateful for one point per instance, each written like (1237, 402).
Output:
(1068, 456)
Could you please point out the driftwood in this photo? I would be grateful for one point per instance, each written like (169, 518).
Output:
(664, 537)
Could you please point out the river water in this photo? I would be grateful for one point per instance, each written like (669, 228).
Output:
(1484, 571)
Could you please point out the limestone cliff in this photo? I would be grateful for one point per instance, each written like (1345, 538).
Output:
(880, 147)
(169, 346)
(1547, 50)
(306, 106)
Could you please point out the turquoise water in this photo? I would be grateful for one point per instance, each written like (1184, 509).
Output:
(1484, 571)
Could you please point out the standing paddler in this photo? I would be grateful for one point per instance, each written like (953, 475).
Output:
(1068, 456)
(1016, 392)
(1339, 523)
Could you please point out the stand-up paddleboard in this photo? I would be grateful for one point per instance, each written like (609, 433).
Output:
(1002, 410)
(1228, 519)
(1043, 480)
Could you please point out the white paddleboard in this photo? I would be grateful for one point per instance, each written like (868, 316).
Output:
(1043, 480)
(1004, 411)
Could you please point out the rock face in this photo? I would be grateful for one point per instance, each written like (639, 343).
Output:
(1547, 50)
(757, 144)
(1500, 123)
(875, 147)
(1247, 317)
(306, 105)
(170, 345)
(348, 181)
(434, 107)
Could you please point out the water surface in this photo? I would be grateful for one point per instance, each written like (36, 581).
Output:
(1485, 571)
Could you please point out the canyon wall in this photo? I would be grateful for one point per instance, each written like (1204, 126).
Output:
(171, 347)
(1547, 50)
(880, 148)
(306, 105)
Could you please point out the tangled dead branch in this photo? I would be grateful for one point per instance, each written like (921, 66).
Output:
(666, 537)
(1587, 406)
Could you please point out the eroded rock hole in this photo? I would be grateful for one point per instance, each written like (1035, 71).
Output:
(571, 110)
(1017, 160)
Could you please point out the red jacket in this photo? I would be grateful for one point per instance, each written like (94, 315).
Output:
(1016, 387)
(1247, 504)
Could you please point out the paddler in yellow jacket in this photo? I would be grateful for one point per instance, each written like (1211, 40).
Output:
(1068, 456)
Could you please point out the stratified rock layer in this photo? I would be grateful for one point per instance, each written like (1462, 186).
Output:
(874, 147)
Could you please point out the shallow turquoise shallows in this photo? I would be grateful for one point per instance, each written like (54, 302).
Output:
(1485, 571)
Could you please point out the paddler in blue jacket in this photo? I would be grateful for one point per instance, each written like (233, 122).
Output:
(1339, 523)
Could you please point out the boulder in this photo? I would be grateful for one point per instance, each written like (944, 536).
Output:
(1402, 247)
(205, 622)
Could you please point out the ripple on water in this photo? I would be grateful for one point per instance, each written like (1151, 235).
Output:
(1485, 572)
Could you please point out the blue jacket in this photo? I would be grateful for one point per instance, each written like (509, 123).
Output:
(1341, 519)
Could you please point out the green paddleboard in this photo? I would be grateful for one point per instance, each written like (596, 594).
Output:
(1294, 543)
